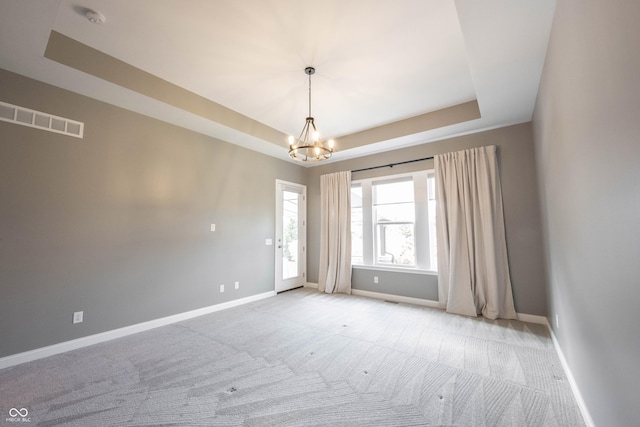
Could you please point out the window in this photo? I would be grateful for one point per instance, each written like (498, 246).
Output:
(357, 242)
(393, 221)
(394, 216)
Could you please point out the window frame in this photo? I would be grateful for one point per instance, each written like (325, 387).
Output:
(422, 239)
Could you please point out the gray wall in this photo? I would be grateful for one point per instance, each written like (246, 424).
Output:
(586, 127)
(521, 211)
(117, 224)
(423, 286)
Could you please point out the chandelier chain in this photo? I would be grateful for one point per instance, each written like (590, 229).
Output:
(309, 95)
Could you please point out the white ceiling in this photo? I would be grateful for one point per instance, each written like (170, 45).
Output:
(377, 62)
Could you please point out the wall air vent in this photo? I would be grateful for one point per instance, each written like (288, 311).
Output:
(39, 120)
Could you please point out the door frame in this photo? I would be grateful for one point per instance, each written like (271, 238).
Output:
(281, 285)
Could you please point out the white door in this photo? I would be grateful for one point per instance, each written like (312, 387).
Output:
(291, 235)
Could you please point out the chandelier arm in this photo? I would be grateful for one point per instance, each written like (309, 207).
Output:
(304, 135)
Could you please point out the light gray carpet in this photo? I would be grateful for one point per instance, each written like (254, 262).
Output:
(305, 358)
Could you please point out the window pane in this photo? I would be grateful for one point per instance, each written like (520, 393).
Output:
(394, 192)
(395, 244)
(402, 212)
(393, 204)
(356, 196)
(431, 185)
(357, 241)
(433, 245)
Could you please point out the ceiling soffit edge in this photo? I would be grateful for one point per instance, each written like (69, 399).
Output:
(72, 53)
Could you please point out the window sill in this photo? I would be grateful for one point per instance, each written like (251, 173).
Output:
(395, 269)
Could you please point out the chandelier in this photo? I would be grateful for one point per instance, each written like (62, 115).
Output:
(308, 147)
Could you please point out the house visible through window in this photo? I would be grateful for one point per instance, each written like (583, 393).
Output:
(393, 221)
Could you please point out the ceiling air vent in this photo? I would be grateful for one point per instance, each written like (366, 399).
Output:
(39, 120)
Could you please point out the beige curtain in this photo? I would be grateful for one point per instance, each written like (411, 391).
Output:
(473, 271)
(334, 272)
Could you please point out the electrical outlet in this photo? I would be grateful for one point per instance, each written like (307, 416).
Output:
(78, 317)
(237, 285)
(221, 288)
(213, 227)
(375, 279)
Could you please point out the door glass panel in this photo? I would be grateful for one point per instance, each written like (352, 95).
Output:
(290, 227)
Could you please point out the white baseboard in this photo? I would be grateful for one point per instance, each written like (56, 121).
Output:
(39, 353)
(572, 382)
(532, 318)
(542, 320)
(396, 298)
(311, 285)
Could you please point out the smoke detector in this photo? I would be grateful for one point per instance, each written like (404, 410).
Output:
(95, 17)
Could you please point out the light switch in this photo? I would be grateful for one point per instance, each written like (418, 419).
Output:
(268, 242)
(213, 227)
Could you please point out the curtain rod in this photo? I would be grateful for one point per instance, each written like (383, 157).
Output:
(390, 165)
